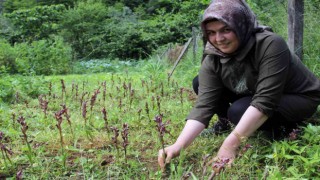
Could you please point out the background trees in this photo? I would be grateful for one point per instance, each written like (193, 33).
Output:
(95, 29)
(123, 29)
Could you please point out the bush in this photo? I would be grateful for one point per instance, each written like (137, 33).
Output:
(7, 58)
(127, 40)
(7, 29)
(82, 29)
(96, 31)
(6, 89)
(26, 87)
(44, 57)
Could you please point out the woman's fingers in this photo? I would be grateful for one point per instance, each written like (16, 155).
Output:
(161, 159)
(168, 158)
(165, 157)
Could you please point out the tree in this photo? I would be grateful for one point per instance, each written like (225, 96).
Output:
(36, 23)
(12, 5)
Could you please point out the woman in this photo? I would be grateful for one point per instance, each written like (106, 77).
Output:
(248, 77)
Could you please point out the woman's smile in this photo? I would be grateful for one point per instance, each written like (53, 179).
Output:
(222, 37)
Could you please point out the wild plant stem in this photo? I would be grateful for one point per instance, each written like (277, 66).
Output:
(71, 129)
(8, 158)
(162, 143)
(62, 148)
(29, 150)
(4, 159)
(118, 152)
(125, 155)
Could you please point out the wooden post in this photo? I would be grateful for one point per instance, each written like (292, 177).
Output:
(194, 38)
(180, 57)
(295, 26)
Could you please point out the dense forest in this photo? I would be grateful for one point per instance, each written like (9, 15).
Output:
(90, 30)
(43, 37)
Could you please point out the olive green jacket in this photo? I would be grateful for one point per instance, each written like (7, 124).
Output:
(265, 69)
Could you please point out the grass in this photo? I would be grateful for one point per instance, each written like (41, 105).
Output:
(89, 153)
(89, 150)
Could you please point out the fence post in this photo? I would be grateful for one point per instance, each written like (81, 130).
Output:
(194, 38)
(295, 26)
(184, 50)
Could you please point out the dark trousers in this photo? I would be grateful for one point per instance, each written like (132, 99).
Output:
(292, 109)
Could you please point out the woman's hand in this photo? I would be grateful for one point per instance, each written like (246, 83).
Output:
(225, 157)
(223, 160)
(188, 134)
(227, 152)
(170, 152)
(218, 164)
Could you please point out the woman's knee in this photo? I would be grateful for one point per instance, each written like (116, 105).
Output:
(195, 84)
(237, 109)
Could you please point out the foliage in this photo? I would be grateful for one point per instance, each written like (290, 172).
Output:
(126, 94)
(7, 91)
(175, 25)
(266, 13)
(7, 30)
(35, 24)
(125, 89)
(104, 65)
(12, 5)
(7, 58)
(100, 29)
(20, 88)
(311, 41)
(95, 30)
(43, 57)
(82, 28)
(127, 39)
(68, 3)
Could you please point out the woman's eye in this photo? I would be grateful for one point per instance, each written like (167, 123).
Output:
(227, 30)
(210, 33)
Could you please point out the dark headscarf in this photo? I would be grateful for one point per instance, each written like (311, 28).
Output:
(238, 16)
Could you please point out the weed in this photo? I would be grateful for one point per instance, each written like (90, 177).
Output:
(105, 118)
(43, 105)
(161, 127)
(125, 143)
(24, 128)
(5, 150)
(115, 138)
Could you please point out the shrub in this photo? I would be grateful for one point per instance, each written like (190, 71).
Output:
(127, 40)
(6, 90)
(44, 57)
(7, 29)
(7, 58)
(81, 27)
(26, 87)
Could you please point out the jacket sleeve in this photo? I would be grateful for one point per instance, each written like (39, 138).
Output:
(210, 89)
(274, 59)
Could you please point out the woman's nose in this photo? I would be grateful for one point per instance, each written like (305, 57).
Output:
(219, 37)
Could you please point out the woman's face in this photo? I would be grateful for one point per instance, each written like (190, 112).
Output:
(222, 37)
